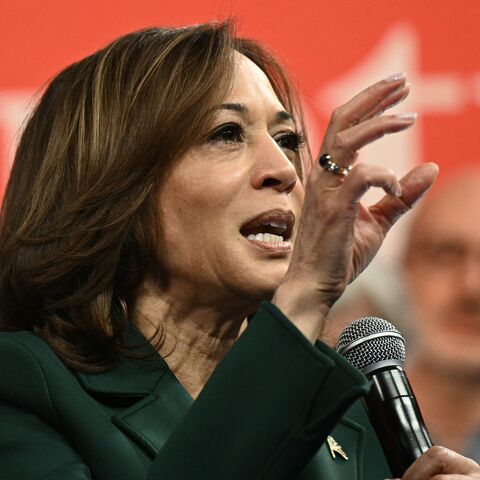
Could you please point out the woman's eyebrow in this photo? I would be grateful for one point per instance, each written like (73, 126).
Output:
(280, 116)
(283, 116)
(236, 107)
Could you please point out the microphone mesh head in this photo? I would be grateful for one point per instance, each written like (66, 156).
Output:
(369, 341)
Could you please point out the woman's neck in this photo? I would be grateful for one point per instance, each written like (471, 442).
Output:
(194, 337)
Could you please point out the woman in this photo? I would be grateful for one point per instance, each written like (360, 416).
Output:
(156, 195)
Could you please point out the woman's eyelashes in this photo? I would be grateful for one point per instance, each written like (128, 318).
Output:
(290, 141)
(230, 133)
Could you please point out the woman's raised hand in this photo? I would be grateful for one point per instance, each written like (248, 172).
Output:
(338, 236)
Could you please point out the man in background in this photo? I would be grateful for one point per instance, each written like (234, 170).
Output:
(442, 270)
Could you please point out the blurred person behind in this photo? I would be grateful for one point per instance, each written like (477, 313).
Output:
(442, 270)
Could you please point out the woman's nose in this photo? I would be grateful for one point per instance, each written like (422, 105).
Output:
(272, 168)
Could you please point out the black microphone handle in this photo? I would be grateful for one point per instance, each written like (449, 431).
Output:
(396, 418)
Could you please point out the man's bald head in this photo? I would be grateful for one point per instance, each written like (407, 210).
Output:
(449, 209)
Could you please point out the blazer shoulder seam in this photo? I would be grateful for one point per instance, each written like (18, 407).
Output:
(43, 378)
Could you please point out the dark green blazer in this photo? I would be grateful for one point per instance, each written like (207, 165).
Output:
(264, 414)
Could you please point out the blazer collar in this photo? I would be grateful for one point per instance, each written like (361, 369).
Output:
(157, 400)
(131, 377)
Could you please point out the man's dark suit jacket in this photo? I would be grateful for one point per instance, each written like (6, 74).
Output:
(264, 414)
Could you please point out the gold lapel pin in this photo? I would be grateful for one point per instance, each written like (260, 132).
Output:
(335, 448)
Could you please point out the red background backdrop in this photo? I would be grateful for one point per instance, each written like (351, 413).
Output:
(333, 49)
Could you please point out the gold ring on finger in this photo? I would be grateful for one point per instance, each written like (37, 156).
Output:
(329, 165)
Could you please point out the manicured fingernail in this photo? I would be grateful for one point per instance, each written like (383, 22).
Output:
(407, 116)
(395, 77)
(397, 191)
(433, 167)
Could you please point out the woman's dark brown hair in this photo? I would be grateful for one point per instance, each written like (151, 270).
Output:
(77, 236)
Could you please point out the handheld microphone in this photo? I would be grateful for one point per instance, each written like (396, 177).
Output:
(377, 348)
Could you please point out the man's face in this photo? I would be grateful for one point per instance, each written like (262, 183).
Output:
(443, 273)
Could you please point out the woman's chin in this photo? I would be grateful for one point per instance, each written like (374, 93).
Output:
(262, 286)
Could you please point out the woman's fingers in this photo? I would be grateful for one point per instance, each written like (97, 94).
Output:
(360, 121)
(392, 100)
(414, 185)
(442, 461)
(345, 144)
(370, 102)
(364, 176)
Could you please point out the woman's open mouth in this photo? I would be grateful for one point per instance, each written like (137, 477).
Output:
(271, 230)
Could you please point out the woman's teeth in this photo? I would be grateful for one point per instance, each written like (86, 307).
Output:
(265, 237)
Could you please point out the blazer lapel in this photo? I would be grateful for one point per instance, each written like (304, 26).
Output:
(349, 436)
(151, 420)
(144, 398)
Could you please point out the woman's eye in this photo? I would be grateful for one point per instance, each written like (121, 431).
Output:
(230, 133)
(290, 141)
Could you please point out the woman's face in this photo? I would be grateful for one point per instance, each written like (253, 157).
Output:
(231, 206)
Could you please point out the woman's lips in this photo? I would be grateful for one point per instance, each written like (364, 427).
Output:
(275, 222)
(270, 230)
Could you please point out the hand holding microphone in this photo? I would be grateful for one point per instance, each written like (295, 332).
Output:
(377, 348)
